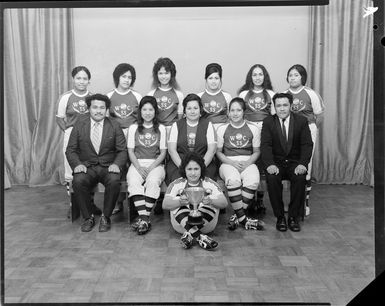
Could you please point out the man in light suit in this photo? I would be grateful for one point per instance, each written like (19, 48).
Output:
(96, 152)
(286, 148)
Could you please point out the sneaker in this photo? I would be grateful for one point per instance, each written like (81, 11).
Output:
(135, 225)
(143, 227)
(307, 210)
(207, 243)
(233, 223)
(88, 224)
(254, 224)
(187, 240)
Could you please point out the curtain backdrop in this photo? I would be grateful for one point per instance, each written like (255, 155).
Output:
(341, 70)
(38, 58)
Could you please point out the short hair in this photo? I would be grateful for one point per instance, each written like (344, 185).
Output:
(280, 95)
(238, 100)
(77, 69)
(169, 66)
(151, 100)
(192, 97)
(301, 70)
(212, 68)
(99, 97)
(122, 69)
(192, 156)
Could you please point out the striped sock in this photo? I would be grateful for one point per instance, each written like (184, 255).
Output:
(235, 197)
(140, 206)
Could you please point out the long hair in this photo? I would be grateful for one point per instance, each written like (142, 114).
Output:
(249, 85)
(169, 66)
(192, 156)
(150, 100)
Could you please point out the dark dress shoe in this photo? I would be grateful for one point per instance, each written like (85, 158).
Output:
(87, 225)
(105, 224)
(281, 224)
(95, 210)
(293, 224)
(118, 208)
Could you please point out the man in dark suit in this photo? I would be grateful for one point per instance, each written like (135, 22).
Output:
(96, 152)
(286, 148)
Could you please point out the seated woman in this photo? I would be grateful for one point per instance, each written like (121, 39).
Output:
(238, 150)
(147, 150)
(191, 133)
(193, 171)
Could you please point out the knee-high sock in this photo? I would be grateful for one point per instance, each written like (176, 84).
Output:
(307, 193)
(140, 206)
(247, 196)
(182, 216)
(150, 202)
(235, 197)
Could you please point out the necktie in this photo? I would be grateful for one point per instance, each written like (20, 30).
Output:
(96, 136)
(284, 130)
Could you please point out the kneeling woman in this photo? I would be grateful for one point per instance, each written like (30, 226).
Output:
(147, 150)
(193, 171)
(238, 150)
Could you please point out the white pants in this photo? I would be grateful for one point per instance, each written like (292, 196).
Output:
(149, 187)
(314, 132)
(248, 178)
(67, 167)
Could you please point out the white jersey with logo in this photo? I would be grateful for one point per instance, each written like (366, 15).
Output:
(169, 104)
(124, 106)
(238, 141)
(257, 107)
(71, 106)
(307, 103)
(148, 143)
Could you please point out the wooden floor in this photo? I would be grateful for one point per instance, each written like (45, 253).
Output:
(47, 258)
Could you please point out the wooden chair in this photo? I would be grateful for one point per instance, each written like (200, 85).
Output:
(74, 209)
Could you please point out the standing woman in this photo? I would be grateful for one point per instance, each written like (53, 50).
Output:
(192, 133)
(258, 93)
(215, 101)
(71, 107)
(124, 107)
(147, 151)
(308, 103)
(166, 91)
(238, 150)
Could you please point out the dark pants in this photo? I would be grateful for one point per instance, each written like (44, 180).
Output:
(83, 183)
(297, 190)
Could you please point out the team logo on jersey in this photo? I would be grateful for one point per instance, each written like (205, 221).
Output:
(239, 140)
(257, 104)
(148, 140)
(123, 110)
(191, 139)
(298, 105)
(164, 103)
(80, 107)
(212, 107)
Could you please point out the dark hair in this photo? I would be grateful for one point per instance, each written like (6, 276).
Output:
(283, 95)
(192, 156)
(99, 97)
(81, 68)
(122, 69)
(239, 100)
(192, 97)
(301, 70)
(169, 66)
(148, 100)
(212, 68)
(249, 85)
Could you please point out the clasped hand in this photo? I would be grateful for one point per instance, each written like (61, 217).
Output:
(112, 168)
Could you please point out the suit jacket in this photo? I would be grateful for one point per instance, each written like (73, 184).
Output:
(299, 146)
(113, 146)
